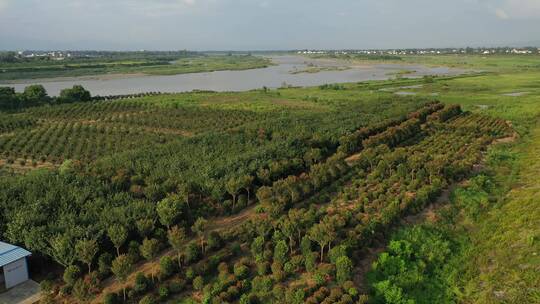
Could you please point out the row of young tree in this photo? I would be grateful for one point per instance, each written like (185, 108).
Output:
(404, 181)
(56, 212)
(59, 141)
(279, 240)
(36, 95)
(286, 192)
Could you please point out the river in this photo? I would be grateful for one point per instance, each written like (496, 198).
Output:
(271, 77)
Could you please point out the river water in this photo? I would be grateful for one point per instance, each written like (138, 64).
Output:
(271, 77)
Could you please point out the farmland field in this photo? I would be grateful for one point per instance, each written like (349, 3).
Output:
(349, 193)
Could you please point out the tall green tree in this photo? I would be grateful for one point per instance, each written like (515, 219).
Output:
(344, 269)
(247, 183)
(75, 94)
(280, 252)
(288, 228)
(199, 228)
(145, 226)
(62, 250)
(35, 95)
(321, 234)
(118, 235)
(121, 268)
(177, 237)
(149, 249)
(8, 98)
(233, 185)
(86, 251)
(170, 209)
(257, 248)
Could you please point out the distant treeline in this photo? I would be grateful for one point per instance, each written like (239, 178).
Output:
(29, 56)
(36, 95)
(365, 56)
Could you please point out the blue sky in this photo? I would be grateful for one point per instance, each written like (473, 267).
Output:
(265, 24)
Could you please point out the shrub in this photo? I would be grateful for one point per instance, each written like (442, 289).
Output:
(297, 261)
(295, 296)
(344, 268)
(71, 274)
(110, 298)
(277, 271)
(249, 299)
(141, 283)
(93, 280)
(214, 241)
(176, 286)
(133, 252)
(65, 290)
(262, 268)
(81, 290)
(241, 271)
(236, 249)
(280, 252)
(149, 248)
(46, 286)
(166, 266)
(104, 264)
(311, 262)
(223, 268)
(198, 283)
(163, 293)
(257, 248)
(305, 246)
(148, 299)
(190, 273)
(262, 284)
(278, 292)
(192, 252)
(337, 252)
(363, 299)
(318, 279)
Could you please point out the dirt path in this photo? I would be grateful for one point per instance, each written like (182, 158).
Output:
(226, 222)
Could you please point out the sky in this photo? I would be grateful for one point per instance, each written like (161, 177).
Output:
(265, 24)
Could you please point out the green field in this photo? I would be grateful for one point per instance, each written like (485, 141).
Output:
(287, 195)
(130, 64)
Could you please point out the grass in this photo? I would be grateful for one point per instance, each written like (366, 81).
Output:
(492, 63)
(316, 69)
(503, 263)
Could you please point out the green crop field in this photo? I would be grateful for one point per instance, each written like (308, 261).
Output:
(346, 193)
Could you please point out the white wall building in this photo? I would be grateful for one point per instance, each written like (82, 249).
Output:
(13, 265)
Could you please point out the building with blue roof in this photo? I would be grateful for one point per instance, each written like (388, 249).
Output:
(13, 265)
